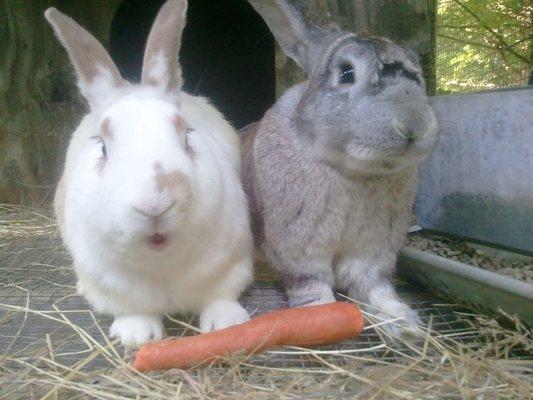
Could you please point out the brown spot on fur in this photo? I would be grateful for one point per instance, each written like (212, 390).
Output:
(150, 81)
(168, 181)
(164, 41)
(175, 182)
(179, 124)
(86, 53)
(105, 129)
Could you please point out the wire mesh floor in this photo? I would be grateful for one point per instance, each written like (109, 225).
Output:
(35, 273)
(53, 346)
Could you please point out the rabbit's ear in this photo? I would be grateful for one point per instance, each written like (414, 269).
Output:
(286, 24)
(97, 73)
(161, 66)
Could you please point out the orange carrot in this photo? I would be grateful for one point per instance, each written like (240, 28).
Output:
(305, 326)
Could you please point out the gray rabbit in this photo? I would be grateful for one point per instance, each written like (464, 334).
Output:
(331, 169)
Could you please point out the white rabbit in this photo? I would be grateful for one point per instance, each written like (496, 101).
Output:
(150, 203)
(331, 169)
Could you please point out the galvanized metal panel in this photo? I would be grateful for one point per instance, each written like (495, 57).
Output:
(479, 181)
(484, 290)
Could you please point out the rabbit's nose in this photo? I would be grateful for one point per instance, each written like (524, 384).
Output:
(413, 121)
(406, 133)
(409, 132)
(153, 211)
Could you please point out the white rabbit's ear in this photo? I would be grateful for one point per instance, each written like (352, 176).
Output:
(96, 71)
(293, 35)
(161, 66)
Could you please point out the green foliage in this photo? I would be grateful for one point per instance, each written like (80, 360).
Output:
(483, 44)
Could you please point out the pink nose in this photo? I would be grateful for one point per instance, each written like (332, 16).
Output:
(153, 211)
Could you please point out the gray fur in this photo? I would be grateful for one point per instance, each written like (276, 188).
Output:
(331, 171)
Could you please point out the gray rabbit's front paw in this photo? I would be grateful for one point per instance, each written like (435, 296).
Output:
(305, 301)
(392, 315)
(309, 292)
(403, 319)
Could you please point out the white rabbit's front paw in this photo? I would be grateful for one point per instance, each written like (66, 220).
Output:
(220, 314)
(133, 330)
(80, 289)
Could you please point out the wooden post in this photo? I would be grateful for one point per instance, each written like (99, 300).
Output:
(39, 103)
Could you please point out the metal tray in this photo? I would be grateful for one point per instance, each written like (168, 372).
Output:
(484, 290)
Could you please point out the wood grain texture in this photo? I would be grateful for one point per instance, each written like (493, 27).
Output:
(39, 102)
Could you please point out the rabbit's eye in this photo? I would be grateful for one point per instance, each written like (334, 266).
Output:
(100, 140)
(187, 132)
(346, 74)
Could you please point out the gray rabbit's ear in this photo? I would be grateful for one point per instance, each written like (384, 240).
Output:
(296, 38)
(97, 73)
(161, 64)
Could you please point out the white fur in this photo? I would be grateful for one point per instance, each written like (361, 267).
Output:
(135, 329)
(105, 205)
(221, 314)
(210, 249)
(97, 90)
(158, 68)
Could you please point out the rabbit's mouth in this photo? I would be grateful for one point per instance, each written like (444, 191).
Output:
(158, 241)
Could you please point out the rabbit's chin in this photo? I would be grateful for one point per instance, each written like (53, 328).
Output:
(153, 234)
(369, 162)
(376, 168)
(149, 240)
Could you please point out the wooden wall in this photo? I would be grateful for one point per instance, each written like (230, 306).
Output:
(39, 103)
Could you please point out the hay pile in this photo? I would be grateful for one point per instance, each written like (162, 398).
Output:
(488, 359)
